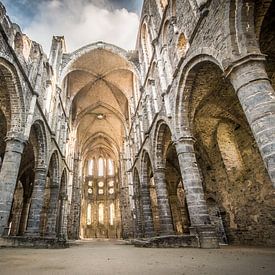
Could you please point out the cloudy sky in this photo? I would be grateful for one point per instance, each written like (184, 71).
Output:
(80, 21)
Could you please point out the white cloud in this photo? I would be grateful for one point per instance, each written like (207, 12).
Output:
(83, 22)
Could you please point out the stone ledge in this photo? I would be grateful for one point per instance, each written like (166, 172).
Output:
(32, 242)
(169, 241)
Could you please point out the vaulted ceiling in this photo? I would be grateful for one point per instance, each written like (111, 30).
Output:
(100, 85)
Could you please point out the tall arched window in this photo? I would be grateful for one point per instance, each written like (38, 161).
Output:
(100, 167)
(101, 213)
(162, 4)
(182, 45)
(168, 71)
(174, 8)
(48, 96)
(112, 213)
(90, 167)
(111, 168)
(89, 214)
(146, 45)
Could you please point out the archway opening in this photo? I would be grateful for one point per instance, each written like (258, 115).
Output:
(23, 190)
(167, 158)
(230, 164)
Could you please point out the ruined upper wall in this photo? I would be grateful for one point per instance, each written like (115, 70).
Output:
(29, 53)
(225, 29)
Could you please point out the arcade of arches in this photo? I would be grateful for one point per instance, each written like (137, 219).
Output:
(172, 143)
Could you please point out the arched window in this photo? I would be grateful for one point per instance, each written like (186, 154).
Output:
(89, 214)
(182, 45)
(165, 52)
(90, 167)
(174, 8)
(100, 167)
(162, 4)
(48, 97)
(111, 168)
(112, 213)
(101, 213)
(146, 45)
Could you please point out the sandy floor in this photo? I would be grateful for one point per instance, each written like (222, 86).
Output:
(113, 257)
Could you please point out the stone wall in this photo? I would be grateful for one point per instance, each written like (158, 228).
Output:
(219, 33)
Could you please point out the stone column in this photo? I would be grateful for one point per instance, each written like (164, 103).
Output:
(173, 199)
(62, 226)
(257, 98)
(37, 201)
(165, 219)
(199, 217)
(76, 202)
(52, 211)
(147, 210)
(8, 177)
(145, 118)
(138, 220)
(24, 215)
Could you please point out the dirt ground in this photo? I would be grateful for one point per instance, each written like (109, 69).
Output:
(115, 257)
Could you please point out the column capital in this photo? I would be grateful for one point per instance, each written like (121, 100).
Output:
(246, 70)
(160, 169)
(243, 60)
(188, 138)
(15, 136)
(15, 142)
(40, 169)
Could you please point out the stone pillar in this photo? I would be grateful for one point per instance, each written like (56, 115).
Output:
(147, 210)
(75, 203)
(199, 217)
(52, 211)
(257, 98)
(62, 226)
(145, 118)
(8, 178)
(173, 199)
(24, 215)
(165, 219)
(37, 201)
(138, 219)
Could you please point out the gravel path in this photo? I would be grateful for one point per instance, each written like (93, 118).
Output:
(115, 257)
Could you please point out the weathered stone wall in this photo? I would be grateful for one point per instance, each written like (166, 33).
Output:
(26, 73)
(222, 33)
